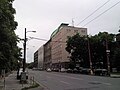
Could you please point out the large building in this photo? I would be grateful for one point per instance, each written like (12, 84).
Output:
(55, 55)
(36, 59)
(59, 56)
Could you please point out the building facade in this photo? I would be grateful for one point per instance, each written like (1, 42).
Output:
(36, 59)
(53, 54)
(47, 55)
(59, 56)
(41, 57)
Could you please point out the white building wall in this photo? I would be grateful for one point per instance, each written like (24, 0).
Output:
(40, 57)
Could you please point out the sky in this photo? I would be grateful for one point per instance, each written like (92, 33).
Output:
(44, 16)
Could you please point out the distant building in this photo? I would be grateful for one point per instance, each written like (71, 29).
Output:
(59, 56)
(40, 57)
(36, 59)
(47, 55)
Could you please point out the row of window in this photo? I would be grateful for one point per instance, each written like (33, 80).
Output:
(75, 31)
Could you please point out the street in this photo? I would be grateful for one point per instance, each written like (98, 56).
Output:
(67, 81)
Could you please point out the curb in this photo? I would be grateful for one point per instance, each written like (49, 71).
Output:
(43, 87)
(115, 76)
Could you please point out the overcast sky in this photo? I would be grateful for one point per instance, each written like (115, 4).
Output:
(44, 16)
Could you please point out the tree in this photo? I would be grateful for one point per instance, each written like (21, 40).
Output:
(9, 51)
(77, 48)
(30, 65)
(115, 55)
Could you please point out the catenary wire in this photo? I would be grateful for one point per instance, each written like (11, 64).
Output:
(101, 14)
(46, 40)
(93, 12)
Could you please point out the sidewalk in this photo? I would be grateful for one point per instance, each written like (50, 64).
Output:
(1, 85)
(11, 83)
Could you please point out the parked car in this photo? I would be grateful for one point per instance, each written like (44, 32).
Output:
(63, 70)
(40, 69)
(80, 69)
(101, 72)
(55, 69)
(48, 70)
(85, 71)
(75, 70)
(35, 69)
(69, 70)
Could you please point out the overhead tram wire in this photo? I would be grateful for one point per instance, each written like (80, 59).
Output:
(101, 14)
(46, 40)
(93, 12)
(38, 38)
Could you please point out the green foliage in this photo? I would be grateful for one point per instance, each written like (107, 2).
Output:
(30, 65)
(77, 47)
(35, 85)
(9, 52)
(115, 61)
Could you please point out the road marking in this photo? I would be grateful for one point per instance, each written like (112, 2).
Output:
(65, 82)
(106, 83)
(98, 82)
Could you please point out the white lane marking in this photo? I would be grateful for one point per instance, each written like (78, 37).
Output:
(65, 82)
(106, 83)
(102, 83)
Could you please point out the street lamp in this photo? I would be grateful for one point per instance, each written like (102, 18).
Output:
(25, 40)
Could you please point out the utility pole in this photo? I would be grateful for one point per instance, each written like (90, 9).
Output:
(90, 61)
(107, 56)
(24, 59)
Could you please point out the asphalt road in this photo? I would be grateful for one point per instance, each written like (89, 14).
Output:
(67, 81)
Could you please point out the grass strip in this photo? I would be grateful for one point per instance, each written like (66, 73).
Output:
(35, 85)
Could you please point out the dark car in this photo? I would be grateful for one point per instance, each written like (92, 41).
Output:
(85, 71)
(100, 72)
(69, 70)
(75, 70)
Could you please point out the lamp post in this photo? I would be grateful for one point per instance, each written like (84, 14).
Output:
(24, 59)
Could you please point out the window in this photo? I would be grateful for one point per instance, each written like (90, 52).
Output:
(68, 30)
(76, 31)
(83, 31)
